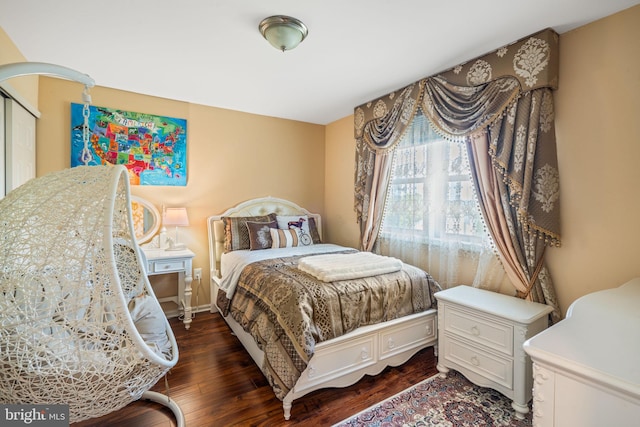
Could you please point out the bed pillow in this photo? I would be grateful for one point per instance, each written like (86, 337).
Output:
(259, 235)
(304, 222)
(289, 238)
(236, 234)
(313, 229)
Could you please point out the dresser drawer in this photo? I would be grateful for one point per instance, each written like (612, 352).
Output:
(166, 266)
(480, 329)
(407, 335)
(490, 366)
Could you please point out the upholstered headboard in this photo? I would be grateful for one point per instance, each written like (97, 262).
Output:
(253, 207)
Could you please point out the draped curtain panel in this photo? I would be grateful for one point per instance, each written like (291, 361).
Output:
(500, 104)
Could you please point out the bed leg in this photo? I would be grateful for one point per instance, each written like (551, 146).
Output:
(286, 407)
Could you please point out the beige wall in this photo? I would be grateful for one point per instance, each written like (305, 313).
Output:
(26, 86)
(340, 151)
(232, 157)
(598, 135)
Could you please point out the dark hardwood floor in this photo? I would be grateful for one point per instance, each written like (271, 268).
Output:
(216, 383)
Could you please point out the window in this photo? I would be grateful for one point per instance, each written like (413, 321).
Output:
(432, 219)
(431, 196)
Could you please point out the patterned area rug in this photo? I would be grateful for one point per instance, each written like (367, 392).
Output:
(453, 401)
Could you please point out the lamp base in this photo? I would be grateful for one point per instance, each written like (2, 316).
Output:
(176, 247)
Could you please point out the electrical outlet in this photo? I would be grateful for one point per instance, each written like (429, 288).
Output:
(197, 273)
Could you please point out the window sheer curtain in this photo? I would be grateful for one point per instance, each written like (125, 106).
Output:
(431, 217)
(501, 107)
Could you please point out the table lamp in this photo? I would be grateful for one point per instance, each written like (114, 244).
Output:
(178, 218)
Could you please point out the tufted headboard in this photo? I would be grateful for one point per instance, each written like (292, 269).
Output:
(253, 207)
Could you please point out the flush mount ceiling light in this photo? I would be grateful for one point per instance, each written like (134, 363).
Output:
(283, 32)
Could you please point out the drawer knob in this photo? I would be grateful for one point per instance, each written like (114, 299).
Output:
(390, 343)
(475, 361)
(475, 331)
(429, 330)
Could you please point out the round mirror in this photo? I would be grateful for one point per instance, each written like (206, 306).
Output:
(146, 219)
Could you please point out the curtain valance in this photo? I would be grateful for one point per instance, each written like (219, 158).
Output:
(484, 85)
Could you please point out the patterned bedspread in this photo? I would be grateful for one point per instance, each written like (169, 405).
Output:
(288, 311)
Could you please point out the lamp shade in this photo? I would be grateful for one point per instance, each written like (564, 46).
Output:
(283, 32)
(175, 216)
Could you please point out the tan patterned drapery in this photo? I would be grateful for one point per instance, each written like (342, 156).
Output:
(501, 103)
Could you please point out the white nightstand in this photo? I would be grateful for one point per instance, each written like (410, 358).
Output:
(480, 335)
(160, 261)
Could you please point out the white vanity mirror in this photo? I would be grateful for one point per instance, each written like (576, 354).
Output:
(146, 219)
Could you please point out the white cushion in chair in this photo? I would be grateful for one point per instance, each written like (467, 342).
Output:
(150, 322)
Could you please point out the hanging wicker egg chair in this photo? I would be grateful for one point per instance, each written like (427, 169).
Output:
(79, 322)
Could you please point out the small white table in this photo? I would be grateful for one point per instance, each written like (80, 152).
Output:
(161, 261)
(480, 335)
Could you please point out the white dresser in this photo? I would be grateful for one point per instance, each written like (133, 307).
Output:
(480, 335)
(587, 367)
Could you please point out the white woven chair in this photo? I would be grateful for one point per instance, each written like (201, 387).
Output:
(79, 322)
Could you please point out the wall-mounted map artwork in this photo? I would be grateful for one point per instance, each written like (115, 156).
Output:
(152, 148)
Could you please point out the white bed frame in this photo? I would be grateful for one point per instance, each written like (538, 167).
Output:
(339, 362)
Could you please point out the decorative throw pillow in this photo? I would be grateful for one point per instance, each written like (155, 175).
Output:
(305, 223)
(313, 229)
(288, 221)
(259, 235)
(236, 234)
(289, 238)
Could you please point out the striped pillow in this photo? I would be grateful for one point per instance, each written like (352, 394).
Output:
(289, 238)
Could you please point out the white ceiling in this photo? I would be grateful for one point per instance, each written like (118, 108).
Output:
(210, 51)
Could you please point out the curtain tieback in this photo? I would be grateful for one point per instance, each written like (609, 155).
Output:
(534, 277)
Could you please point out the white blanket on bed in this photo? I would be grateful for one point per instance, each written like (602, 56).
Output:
(233, 263)
(333, 267)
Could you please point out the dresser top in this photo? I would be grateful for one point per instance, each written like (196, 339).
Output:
(508, 307)
(599, 339)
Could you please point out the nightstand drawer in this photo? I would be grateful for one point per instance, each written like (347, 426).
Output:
(493, 367)
(477, 328)
(166, 266)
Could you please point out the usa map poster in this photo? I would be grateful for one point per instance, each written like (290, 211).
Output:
(152, 148)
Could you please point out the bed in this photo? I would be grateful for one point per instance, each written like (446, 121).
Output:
(323, 356)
